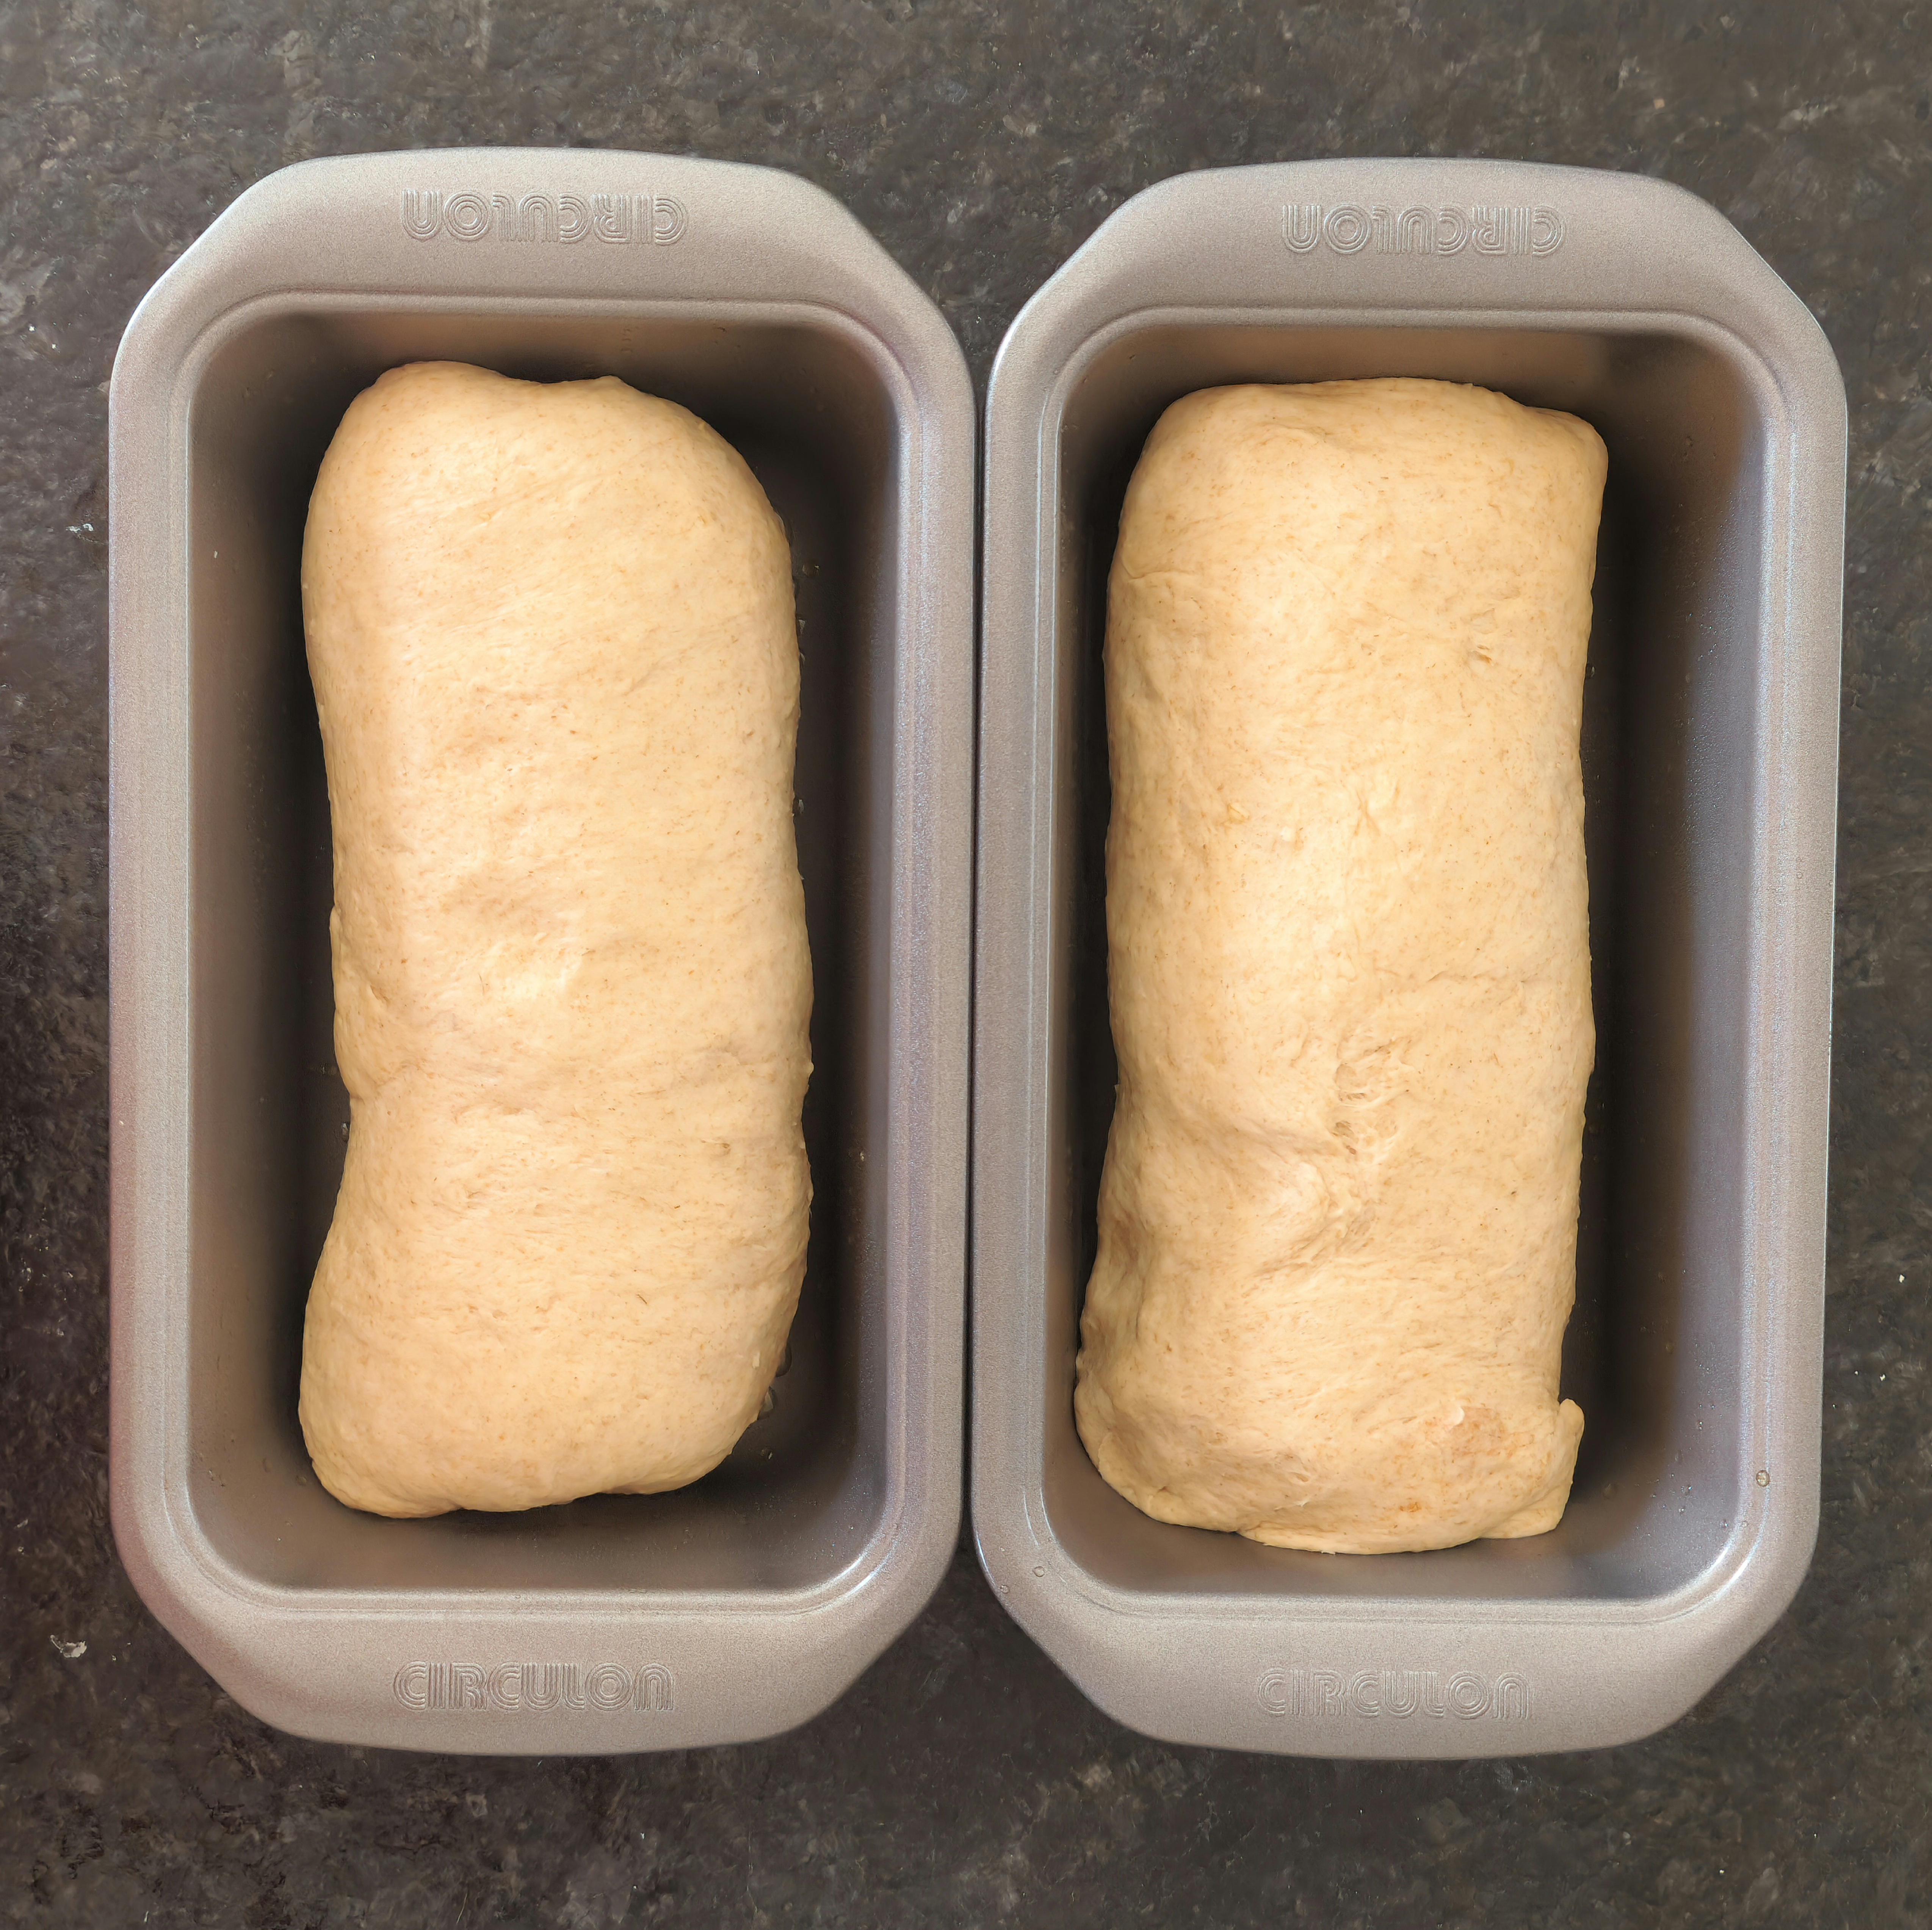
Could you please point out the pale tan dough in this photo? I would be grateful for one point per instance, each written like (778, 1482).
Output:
(1349, 966)
(551, 632)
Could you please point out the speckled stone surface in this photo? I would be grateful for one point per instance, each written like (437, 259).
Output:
(963, 1781)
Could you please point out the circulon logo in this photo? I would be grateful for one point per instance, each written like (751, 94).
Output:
(1401, 1694)
(656, 219)
(609, 1686)
(1347, 228)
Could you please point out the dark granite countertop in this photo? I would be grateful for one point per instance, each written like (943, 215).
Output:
(963, 1781)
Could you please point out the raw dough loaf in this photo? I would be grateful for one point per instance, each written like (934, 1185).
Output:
(550, 629)
(1349, 966)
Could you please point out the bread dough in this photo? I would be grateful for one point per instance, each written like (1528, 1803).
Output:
(551, 633)
(1349, 966)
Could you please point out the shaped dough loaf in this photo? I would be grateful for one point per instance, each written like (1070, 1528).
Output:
(551, 630)
(1349, 966)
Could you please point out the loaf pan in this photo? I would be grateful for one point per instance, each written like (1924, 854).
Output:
(1710, 747)
(744, 1603)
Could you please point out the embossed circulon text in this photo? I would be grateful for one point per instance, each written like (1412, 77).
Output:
(655, 219)
(1402, 1694)
(608, 1686)
(1348, 227)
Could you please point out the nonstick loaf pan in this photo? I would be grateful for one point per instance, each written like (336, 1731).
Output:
(743, 1604)
(1709, 744)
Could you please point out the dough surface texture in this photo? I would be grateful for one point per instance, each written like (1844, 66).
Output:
(551, 630)
(1348, 965)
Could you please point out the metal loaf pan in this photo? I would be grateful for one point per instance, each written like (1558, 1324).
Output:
(1710, 744)
(745, 1603)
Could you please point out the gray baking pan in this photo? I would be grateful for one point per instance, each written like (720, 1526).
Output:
(745, 1603)
(1710, 746)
